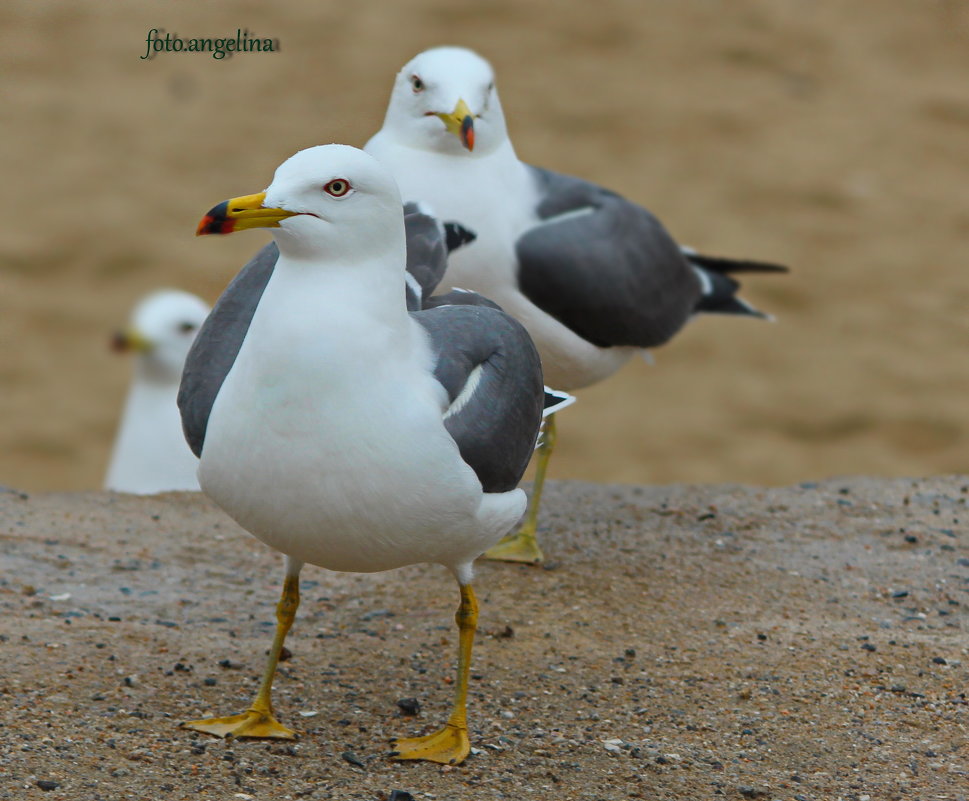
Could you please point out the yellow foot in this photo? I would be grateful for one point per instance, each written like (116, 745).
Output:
(520, 547)
(449, 746)
(249, 724)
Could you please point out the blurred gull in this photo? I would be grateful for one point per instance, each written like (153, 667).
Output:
(150, 454)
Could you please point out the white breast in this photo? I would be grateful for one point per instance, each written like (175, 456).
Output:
(326, 439)
(495, 197)
(150, 452)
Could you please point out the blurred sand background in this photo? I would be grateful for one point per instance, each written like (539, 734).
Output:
(833, 137)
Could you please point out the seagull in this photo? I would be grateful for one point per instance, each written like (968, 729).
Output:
(594, 278)
(344, 430)
(150, 454)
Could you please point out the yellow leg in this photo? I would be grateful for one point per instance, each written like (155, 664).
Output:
(450, 745)
(258, 720)
(522, 546)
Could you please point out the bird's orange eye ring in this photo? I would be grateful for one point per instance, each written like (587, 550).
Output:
(338, 187)
(416, 83)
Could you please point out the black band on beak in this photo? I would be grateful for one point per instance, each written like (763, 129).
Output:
(216, 221)
(467, 132)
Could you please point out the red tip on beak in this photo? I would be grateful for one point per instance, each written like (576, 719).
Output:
(467, 132)
(216, 221)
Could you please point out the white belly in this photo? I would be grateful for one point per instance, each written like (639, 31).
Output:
(150, 452)
(349, 466)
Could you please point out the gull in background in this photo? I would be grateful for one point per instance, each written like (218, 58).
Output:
(593, 277)
(150, 454)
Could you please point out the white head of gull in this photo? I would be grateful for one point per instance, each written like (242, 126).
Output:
(448, 85)
(150, 454)
(349, 433)
(593, 277)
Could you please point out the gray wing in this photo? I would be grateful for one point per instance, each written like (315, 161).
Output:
(604, 267)
(555, 400)
(426, 254)
(429, 241)
(491, 371)
(218, 342)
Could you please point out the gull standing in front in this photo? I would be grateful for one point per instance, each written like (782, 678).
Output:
(594, 278)
(345, 431)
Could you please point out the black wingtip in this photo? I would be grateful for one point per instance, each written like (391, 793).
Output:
(732, 306)
(456, 236)
(721, 264)
(555, 401)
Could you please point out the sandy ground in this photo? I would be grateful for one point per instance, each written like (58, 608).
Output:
(681, 643)
(828, 136)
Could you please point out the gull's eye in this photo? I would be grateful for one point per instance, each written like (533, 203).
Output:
(186, 328)
(338, 187)
(491, 87)
(416, 84)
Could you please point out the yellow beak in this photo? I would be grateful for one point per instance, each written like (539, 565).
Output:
(460, 122)
(130, 340)
(239, 213)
